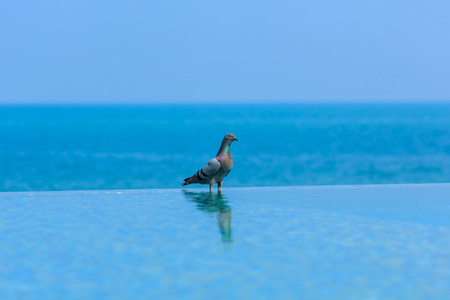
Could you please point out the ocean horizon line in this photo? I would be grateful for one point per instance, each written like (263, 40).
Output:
(232, 102)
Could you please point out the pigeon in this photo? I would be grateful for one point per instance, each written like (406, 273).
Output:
(217, 168)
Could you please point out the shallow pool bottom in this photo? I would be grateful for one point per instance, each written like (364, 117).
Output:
(325, 242)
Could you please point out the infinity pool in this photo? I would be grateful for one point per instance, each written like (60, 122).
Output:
(327, 242)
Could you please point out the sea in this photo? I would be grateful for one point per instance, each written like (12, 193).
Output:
(103, 147)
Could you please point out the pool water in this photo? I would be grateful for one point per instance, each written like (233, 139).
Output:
(322, 242)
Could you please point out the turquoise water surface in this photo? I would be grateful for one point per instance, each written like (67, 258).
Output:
(330, 242)
(156, 146)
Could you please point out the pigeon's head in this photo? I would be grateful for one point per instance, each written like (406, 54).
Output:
(229, 138)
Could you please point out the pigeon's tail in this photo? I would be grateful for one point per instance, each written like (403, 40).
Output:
(189, 180)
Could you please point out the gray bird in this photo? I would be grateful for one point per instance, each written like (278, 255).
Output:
(217, 168)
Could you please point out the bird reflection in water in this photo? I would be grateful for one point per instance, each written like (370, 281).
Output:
(214, 203)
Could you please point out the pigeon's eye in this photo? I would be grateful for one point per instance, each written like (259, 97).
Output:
(229, 135)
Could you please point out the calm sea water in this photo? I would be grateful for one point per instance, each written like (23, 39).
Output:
(129, 147)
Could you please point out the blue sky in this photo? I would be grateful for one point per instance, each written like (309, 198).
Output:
(209, 51)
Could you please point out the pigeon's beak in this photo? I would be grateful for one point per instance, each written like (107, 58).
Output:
(235, 139)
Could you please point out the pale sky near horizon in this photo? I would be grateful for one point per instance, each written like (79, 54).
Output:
(205, 51)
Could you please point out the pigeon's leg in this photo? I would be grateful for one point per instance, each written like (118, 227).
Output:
(219, 184)
(211, 184)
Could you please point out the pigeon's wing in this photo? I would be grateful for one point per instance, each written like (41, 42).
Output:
(209, 170)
